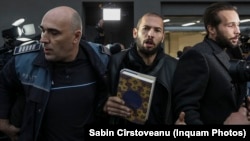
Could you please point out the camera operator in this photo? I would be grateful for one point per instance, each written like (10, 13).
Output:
(100, 38)
(203, 86)
(6, 52)
(244, 40)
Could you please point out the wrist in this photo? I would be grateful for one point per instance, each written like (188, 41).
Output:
(4, 124)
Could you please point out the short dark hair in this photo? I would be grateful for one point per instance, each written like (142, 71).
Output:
(179, 53)
(148, 14)
(211, 17)
(115, 48)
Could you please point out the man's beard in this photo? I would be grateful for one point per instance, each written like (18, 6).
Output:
(144, 51)
(223, 41)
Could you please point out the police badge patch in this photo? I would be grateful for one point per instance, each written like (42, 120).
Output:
(27, 48)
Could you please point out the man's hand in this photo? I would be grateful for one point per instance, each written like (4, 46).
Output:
(116, 106)
(9, 130)
(238, 118)
(248, 107)
(246, 104)
(181, 119)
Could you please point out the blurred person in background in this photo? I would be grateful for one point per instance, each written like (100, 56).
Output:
(100, 37)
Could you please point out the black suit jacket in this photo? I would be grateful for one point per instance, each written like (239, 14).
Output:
(203, 87)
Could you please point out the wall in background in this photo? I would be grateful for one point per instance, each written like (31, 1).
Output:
(176, 41)
(33, 11)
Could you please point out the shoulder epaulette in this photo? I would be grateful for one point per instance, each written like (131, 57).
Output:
(27, 48)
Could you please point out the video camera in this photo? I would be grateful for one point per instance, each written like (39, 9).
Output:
(245, 46)
(240, 70)
(244, 38)
(240, 67)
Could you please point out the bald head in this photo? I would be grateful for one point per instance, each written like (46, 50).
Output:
(61, 34)
(66, 15)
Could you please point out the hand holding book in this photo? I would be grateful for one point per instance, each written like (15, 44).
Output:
(136, 89)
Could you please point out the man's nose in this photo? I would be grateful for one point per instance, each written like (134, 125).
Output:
(237, 30)
(44, 38)
(151, 33)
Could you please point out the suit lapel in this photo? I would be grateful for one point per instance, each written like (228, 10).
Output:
(219, 54)
(223, 58)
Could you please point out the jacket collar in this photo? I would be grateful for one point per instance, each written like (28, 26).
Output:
(219, 52)
(84, 46)
(40, 60)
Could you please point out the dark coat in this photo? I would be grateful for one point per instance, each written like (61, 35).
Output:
(163, 69)
(203, 87)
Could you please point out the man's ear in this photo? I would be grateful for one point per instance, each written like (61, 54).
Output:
(163, 37)
(135, 32)
(211, 30)
(78, 35)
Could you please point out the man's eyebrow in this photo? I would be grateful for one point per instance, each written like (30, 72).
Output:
(48, 29)
(155, 27)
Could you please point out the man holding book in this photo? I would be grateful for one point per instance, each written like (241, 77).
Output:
(145, 56)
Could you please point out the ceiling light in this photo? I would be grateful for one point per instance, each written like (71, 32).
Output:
(188, 24)
(245, 20)
(166, 20)
(111, 14)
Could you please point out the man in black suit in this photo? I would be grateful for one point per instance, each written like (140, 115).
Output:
(203, 87)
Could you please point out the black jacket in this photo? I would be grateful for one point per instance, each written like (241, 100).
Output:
(163, 68)
(203, 87)
(28, 113)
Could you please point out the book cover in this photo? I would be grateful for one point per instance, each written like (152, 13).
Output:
(136, 89)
